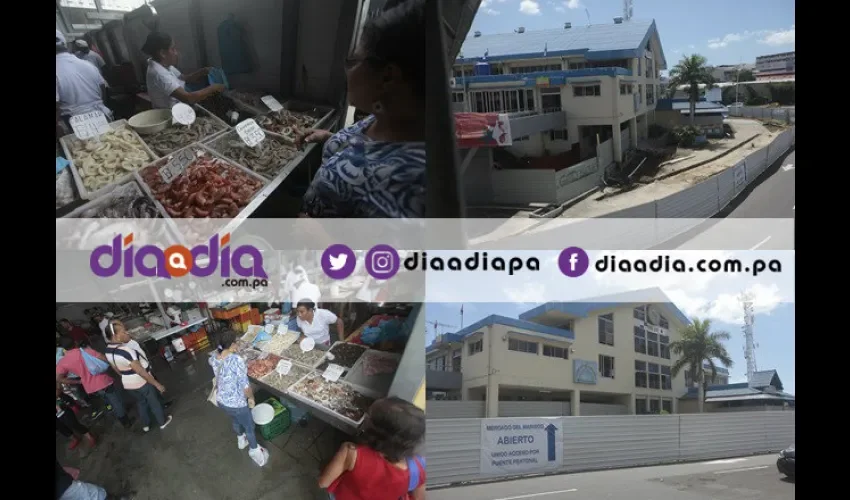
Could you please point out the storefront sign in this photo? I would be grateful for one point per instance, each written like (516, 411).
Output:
(521, 445)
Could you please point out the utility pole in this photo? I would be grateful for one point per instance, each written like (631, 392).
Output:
(746, 300)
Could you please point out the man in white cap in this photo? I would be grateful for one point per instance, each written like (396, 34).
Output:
(86, 54)
(79, 86)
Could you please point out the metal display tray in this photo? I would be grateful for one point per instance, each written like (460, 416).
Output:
(249, 110)
(327, 411)
(281, 174)
(338, 342)
(106, 196)
(78, 180)
(305, 107)
(199, 110)
(259, 109)
(378, 383)
(195, 148)
(319, 347)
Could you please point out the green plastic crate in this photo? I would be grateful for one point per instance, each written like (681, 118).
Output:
(279, 424)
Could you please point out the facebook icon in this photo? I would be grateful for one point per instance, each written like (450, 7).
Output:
(573, 262)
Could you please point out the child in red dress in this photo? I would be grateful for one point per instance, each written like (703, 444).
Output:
(379, 468)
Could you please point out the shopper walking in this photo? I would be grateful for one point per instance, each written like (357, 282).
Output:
(67, 423)
(385, 465)
(74, 362)
(234, 395)
(136, 377)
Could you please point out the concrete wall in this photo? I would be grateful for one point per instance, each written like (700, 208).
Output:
(478, 177)
(577, 179)
(521, 187)
(453, 446)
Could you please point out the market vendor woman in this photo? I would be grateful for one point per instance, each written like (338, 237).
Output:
(376, 167)
(165, 82)
(315, 322)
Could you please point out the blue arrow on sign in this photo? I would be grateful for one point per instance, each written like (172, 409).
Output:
(550, 440)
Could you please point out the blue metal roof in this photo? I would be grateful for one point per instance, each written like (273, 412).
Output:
(743, 390)
(597, 42)
(584, 309)
(495, 319)
(765, 378)
(448, 338)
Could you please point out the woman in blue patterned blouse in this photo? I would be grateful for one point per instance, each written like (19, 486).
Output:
(234, 394)
(376, 167)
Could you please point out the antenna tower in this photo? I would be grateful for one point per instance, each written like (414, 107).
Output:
(627, 10)
(746, 300)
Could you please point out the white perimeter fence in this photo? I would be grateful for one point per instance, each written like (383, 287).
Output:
(453, 446)
(788, 115)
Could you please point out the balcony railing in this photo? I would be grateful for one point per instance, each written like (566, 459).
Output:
(443, 380)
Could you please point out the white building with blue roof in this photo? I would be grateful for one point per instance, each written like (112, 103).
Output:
(596, 357)
(592, 82)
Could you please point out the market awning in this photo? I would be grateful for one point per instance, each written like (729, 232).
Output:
(482, 130)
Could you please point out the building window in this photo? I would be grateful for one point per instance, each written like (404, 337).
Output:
(667, 405)
(640, 406)
(558, 135)
(556, 352)
(666, 378)
(640, 374)
(606, 329)
(654, 406)
(627, 88)
(654, 376)
(536, 69)
(441, 363)
(587, 90)
(476, 347)
(689, 380)
(522, 346)
(664, 340)
(523, 138)
(640, 339)
(457, 96)
(650, 95)
(640, 313)
(606, 366)
(662, 322)
(501, 101)
(652, 347)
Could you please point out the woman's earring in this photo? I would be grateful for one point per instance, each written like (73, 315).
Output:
(377, 107)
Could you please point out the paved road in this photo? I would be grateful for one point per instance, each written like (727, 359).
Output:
(751, 478)
(772, 201)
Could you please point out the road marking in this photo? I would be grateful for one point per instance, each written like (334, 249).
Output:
(762, 242)
(742, 470)
(532, 495)
(788, 167)
(726, 461)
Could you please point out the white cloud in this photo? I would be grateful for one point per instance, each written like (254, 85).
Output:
(529, 7)
(569, 4)
(717, 43)
(783, 37)
(692, 46)
(485, 7)
(528, 293)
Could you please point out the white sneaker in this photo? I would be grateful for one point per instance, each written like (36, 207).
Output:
(145, 429)
(167, 421)
(242, 442)
(259, 455)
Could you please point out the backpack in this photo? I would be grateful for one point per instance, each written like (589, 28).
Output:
(95, 366)
(415, 465)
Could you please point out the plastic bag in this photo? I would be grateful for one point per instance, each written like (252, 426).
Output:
(263, 336)
(94, 365)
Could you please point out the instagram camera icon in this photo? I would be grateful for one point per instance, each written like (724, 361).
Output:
(382, 261)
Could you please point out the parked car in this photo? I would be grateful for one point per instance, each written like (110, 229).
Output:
(785, 464)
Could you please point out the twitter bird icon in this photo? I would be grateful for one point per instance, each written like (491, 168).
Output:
(338, 261)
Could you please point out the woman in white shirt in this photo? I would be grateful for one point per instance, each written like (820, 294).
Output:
(165, 82)
(315, 322)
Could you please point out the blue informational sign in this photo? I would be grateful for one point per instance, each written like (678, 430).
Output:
(521, 445)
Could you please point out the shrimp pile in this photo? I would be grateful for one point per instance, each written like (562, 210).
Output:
(267, 158)
(64, 189)
(209, 187)
(124, 202)
(179, 136)
(102, 161)
(285, 122)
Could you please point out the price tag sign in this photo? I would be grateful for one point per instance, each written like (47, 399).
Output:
(333, 372)
(183, 114)
(307, 344)
(250, 133)
(283, 366)
(176, 165)
(88, 125)
(271, 102)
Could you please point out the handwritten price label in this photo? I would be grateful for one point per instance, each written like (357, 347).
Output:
(284, 366)
(271, 102)
(333, 372)
(88, 125)
(183, 114)
(250, 133)
(178, 163)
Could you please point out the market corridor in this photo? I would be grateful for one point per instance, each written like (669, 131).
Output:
(196, 455)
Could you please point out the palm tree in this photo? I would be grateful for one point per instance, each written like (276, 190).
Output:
(691, 72)
(700, 346)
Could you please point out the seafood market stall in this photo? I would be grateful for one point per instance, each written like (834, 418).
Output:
(336, 384)
(177, 136)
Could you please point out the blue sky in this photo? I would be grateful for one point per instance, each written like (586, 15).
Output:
(774, 331)
(724, 31)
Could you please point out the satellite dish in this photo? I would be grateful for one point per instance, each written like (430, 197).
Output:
(654, 317)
